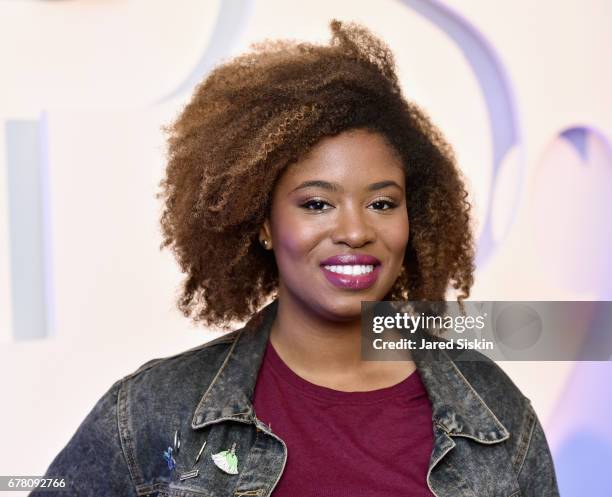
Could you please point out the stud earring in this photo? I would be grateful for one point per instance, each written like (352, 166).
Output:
(265, 243)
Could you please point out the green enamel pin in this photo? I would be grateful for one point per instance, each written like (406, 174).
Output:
(226, 460)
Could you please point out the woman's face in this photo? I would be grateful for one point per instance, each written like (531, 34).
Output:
(346, 200)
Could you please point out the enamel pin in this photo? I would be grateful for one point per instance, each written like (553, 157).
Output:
(177, 442)
(194, 472)
(169, 458)
(190, 474)
(226, 460)
(200, 453)
(169, 453)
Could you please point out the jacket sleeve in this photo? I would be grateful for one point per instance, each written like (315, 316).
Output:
(93, 462)
(536, 474)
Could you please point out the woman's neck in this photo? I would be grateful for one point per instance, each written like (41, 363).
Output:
(328, 353)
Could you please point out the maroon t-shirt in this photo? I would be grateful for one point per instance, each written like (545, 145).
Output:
(346, 444)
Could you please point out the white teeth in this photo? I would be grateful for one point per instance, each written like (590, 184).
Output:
(351, 270)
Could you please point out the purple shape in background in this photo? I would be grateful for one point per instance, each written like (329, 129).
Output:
(498, 95)
(231, 21)
(578, 136)
(580, 432)
(582, 464)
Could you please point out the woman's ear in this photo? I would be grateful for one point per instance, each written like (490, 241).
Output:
(265, 236)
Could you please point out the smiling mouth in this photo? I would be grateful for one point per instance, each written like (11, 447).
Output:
(353, 277)
(351, 270)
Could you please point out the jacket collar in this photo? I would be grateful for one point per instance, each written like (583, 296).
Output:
(456, 406)
(229, 394)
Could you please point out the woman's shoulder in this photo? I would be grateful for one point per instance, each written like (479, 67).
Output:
(489, 380)
(505, 399)
(205, 353)
(478, 377)
(202, 357)
(178, 378)
(179, 382)
(527, 444)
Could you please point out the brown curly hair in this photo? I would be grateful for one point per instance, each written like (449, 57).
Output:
(261, 111)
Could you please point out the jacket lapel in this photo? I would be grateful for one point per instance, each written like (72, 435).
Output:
(229, 395)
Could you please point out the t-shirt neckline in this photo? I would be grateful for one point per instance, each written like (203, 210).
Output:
(409, 388)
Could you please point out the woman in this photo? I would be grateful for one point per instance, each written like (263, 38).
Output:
(300, 172)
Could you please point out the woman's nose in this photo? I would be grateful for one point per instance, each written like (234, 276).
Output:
(352, 227)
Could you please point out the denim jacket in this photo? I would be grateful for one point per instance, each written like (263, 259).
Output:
(487, 438)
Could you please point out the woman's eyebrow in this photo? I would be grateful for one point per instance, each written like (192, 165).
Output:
(334, 187)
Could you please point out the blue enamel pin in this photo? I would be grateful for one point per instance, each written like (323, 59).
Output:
(168, 454)
(169, 458)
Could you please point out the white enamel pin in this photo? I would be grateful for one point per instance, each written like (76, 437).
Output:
(226, 460)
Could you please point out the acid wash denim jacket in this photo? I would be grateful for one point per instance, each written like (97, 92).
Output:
(487, 438)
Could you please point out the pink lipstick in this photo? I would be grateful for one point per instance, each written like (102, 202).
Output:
(351, 271)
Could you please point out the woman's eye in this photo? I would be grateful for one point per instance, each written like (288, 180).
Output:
(314, 205)
(318, 205)
(390, 204)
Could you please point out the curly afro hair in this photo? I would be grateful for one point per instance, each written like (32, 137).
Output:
(261, 111)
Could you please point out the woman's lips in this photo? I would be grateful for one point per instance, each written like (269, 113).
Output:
(355, 282)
